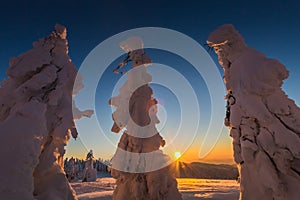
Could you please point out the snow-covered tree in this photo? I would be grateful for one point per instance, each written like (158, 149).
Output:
(264, 123)
(36, 121)
(138, 165)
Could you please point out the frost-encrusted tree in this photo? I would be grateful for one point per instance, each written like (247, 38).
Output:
(138, 165)
(264, 123)
(89, 173)
(36, 121)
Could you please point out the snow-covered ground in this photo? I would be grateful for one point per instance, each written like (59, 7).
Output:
(101, 189)
(208, 189)
(191, 189)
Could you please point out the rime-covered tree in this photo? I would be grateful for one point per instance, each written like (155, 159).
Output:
(37, 120)
(138, 164)
(264, 123)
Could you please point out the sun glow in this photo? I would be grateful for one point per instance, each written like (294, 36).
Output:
(177, 155)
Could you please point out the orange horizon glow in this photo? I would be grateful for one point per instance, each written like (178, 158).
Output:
(221, 153)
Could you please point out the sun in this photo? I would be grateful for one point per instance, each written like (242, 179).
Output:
(177, 155)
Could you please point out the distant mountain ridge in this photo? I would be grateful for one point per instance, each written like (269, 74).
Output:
(205, 170)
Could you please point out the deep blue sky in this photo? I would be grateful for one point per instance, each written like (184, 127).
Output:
(271, 27)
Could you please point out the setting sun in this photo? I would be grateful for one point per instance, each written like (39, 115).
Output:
(177, 155)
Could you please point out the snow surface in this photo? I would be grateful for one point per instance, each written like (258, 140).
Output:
(191, 189)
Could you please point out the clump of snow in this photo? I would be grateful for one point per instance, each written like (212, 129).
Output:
(131, 44)
(36, 121)
(139, 165)
(264, 123)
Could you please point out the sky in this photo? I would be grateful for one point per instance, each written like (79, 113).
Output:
(271, 27)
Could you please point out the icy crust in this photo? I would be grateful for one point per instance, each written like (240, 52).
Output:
(36, 121)
(140, 167)
(264, 123)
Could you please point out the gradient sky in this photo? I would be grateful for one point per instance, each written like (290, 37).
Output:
(271, 27)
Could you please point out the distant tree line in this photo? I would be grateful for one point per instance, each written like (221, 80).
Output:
(74, 167)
